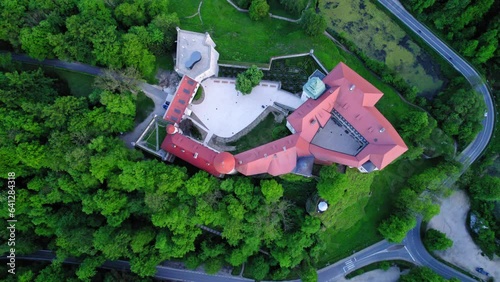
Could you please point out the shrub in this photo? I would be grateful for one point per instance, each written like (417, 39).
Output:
(259, 9)
(436, 240)
(313, 23)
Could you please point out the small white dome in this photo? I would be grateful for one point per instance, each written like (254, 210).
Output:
(322, 206)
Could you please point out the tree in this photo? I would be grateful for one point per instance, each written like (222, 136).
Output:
(415, 126)
(394, 228)
(313, 23)
(254, 74)
(35, 40)
(271, 190)
(332, 184)
(259, 9)
(436, 240)
(419, 274)
(247, 80)
(486, 188)
(243, 84)
(107, 47)
(294, 6)
(119, 81)
(258, 267)
(308, 273)
(136, 55)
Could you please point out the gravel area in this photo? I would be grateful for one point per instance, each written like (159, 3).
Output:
(464, 253)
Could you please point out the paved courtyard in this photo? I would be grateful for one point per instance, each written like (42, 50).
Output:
(225, 112)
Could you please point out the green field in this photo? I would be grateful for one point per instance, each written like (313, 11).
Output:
(363, 233)
(378, 36)
(259, 135)
(80, 84)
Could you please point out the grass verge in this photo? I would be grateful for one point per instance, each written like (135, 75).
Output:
(259, 135)
(386, 183)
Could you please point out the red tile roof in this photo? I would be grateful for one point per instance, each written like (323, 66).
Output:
(185, 91)
(276, 158)
(352, 97)
(349, 94)
(192, 152)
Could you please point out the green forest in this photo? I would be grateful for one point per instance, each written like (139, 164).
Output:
(473, 29)
(118, 34)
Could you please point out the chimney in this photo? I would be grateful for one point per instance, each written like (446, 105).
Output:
(352, 87)
(382, 130)
(195, 155)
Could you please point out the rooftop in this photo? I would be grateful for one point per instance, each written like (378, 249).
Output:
(196, 55)
(182, 97)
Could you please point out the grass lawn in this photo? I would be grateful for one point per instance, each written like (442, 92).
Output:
(150, 137)
(80, 85)
(144, 105)
(240, 39)
(259, 135)
(385, 185)
(360, 20)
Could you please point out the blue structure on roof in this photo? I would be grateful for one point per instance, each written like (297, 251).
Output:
(304, 166)
(195, 57)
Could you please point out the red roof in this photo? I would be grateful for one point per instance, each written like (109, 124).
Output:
(192, 152)
(348, 94)
(184, 93)
(353, 98)
(224, 162)
(276, 158)
(171, 129)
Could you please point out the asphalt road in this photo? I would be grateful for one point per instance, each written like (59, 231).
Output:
(163, 272)
(474, 150)
(414, 244)
(380, 251)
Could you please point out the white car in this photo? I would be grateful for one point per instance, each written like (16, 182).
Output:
(485, 114)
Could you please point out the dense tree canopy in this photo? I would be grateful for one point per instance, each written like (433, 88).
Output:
(89, 196)
(470, 26)
(108, 33)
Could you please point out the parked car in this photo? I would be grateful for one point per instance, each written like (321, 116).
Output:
(482, 271)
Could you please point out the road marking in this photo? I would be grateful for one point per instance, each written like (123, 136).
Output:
(410, 254)
(349, 265)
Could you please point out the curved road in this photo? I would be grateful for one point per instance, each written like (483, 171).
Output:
(474, 150)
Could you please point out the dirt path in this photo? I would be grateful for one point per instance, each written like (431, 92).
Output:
(464, 252)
